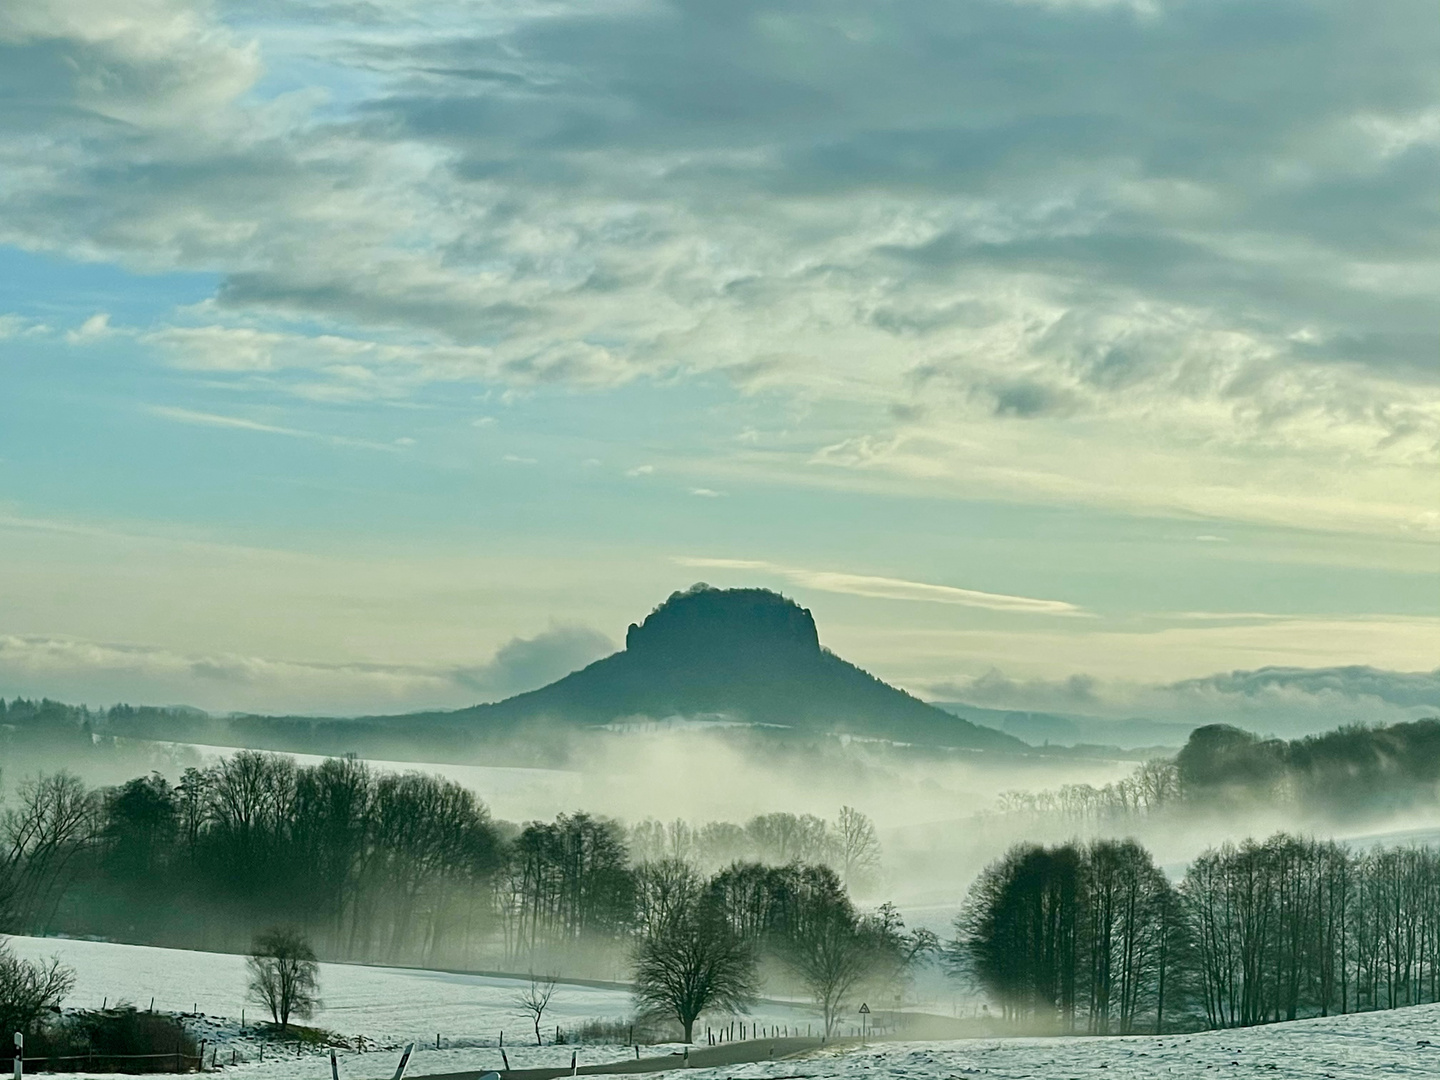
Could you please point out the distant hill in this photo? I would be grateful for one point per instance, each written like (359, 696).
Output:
(1075, 729)
(747, 655)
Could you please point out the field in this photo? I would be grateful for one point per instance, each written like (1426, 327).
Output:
(1401, 1043)
(387, 1006)
(390, 1006)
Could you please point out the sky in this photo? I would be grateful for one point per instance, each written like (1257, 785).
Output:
(357, 357)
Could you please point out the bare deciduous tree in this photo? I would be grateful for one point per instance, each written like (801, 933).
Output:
(662, 888)
(535, 999)
(41, 840)
(859, 847)
(29, 989)
(284, 976)
(694, 963)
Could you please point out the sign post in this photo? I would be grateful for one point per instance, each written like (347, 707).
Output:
(404, 1062)
(19, 1055)
(864, 1016)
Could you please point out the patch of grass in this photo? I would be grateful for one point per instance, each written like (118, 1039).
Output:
(300, 1035)
(644, 1031)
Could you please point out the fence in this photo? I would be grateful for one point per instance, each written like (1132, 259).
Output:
(178, 1062)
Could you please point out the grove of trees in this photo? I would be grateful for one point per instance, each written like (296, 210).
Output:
(1094, 937)
(1351, 773)
(405, 868)
(849, 844)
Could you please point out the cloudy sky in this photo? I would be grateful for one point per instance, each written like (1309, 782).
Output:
(365, 355)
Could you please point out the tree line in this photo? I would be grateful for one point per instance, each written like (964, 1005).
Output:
(1094, 937)
(707, 944)
(373, 865)
(1353, 772)
(849, 844)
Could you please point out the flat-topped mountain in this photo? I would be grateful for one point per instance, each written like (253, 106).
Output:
(748, 655)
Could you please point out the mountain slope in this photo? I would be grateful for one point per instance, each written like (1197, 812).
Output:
(746, 654)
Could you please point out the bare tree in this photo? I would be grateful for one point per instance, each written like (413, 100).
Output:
(535, 999)
(284, 976)
(859, 847)
(835, 952)
(41, 839)
(29, 989)
(694, 963)
(662, 888)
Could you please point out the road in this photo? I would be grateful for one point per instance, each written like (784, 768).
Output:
(701, 1057)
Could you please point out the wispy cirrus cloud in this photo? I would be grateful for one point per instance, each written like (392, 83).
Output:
(240, 423)
(887, 588)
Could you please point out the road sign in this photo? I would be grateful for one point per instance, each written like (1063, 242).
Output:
(864, 1009)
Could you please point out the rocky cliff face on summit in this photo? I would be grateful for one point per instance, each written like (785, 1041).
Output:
(748, 655)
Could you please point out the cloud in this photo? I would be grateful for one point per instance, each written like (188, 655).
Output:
(640, 470)
(706, 493)
(12, 326)
(1010, 227)
(1356, 683)
(94, 328)
(529, 663)
(1289, 701)
(204, 419)
(102, 673)
(884, 588)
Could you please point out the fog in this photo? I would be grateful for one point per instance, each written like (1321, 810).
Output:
(941, 816)
(938, 813)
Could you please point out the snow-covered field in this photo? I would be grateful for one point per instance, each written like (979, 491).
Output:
(1402, 1043)
(390, 1006)
(387, 1006)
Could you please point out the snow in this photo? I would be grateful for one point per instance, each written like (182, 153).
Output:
(388, 1007)
(1401, 1043)
(391, 1006)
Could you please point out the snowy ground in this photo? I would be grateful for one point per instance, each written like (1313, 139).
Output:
(378, 1008)
(1401, 1043)
(390, 1006)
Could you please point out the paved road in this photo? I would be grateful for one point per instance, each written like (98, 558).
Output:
(702, 1057)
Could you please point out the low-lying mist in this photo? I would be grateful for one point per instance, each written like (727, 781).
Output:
(940, 815)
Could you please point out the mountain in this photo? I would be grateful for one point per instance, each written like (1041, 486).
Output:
(746, 655)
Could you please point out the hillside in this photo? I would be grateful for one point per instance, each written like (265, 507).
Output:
(746, 655)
